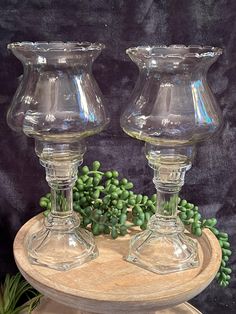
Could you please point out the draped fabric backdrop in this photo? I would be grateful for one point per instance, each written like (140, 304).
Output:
(119, 24)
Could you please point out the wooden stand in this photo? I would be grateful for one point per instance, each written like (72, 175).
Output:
(109, 284)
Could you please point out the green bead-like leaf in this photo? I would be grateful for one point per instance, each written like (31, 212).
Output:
(96, 165)
(85, 169)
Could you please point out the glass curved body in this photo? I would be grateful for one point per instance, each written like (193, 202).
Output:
(172, 108)
(172, 103)
(58, 97)
(58, 103)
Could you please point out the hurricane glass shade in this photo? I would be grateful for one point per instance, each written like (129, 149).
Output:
(172, 103)
(58, 103)
(171, 108)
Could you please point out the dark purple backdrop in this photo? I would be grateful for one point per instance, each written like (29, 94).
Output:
(120, 24)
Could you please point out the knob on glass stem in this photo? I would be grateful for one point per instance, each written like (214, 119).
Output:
(172, 108)
(59, 104)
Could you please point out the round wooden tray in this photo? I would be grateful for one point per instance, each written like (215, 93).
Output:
(109, 283)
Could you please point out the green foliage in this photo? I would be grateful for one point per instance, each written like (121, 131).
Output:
(107, 205)
(191, 218)
(11, 292)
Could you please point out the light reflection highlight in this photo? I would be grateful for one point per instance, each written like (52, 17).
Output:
(201, 115)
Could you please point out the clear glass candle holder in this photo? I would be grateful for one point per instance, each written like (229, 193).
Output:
(59, 104)
(172, 108)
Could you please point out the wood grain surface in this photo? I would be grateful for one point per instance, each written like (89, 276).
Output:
(110, 284)
(48, 306)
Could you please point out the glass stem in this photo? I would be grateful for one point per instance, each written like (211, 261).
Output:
(61, 162)
(61, 201)
(61, 177)
(167, 203)
(168, 180)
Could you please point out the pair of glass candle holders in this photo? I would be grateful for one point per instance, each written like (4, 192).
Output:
(58, 103)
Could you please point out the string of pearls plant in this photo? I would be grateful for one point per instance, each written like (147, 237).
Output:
(108, 205)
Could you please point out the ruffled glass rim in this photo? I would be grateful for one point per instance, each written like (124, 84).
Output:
(55, 46)
(180, 51)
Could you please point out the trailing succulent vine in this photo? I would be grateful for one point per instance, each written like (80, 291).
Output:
(107, 205)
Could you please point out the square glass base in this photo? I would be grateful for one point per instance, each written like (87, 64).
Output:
(61, 244)
(163, 253)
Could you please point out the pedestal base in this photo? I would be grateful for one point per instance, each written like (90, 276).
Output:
(61, 244)
(163, 252)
